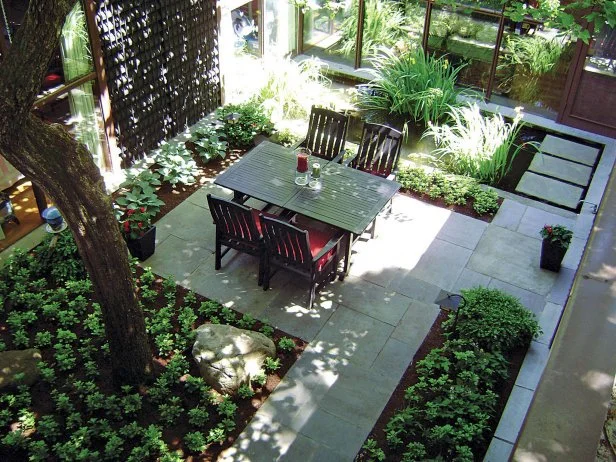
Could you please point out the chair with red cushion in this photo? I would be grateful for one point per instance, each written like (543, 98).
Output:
(312, 253)
(379, 151)
(326, 134)
(237, 227)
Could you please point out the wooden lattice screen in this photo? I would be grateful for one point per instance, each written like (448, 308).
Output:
(161, 59)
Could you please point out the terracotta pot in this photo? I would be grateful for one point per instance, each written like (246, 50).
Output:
(143, 247)
(551, 255)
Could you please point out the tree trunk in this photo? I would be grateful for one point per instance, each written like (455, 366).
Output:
(64, 169)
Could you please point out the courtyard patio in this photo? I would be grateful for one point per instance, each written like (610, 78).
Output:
(364, 332)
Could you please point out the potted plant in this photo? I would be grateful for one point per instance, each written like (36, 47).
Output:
(139, 233)
(556, 240)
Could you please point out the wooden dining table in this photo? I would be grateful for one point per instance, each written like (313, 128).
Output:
(348, 199)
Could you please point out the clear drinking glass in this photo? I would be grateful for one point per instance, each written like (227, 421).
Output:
(302, 175)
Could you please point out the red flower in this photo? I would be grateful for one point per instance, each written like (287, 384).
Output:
(142, 209)
(140, 225)
(129, 212)
(126, 226)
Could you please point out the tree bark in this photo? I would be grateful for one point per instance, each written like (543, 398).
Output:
(64, 169)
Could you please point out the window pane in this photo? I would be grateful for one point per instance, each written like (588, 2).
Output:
(330, 30)
(280, 27)
(466, 37)
(392, 24)
(532, 66)
(602, 54)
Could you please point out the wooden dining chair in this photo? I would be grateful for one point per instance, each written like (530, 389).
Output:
(378, 154)
(237, 227)
(326, 134)
(379, 151)
(311, 252)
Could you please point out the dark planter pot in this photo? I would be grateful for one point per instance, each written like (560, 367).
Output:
(551, 255)
(143, 247)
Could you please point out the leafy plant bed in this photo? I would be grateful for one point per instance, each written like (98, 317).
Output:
(449, 401)
(73, 412)
(454, 192)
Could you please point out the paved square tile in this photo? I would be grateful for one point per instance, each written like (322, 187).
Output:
(189, 222)
(442, 264)
(534, 219)
(514, 414)
(414, 288)
(532, 368)
(548, 321)
(416, 323)
(469, 279)
(178, 258)
(532, 301)
(513, 258)
(462, 230)
(509, 215)
(385, 305)
(353, 337)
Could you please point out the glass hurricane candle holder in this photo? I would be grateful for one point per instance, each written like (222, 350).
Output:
(315, 176)
(301, 172)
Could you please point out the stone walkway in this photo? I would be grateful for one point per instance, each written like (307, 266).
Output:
(560, 172)
(364, 332)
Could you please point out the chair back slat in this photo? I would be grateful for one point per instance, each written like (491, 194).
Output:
(379, 150)
(234, 221)
(326, 133)
(286, 244)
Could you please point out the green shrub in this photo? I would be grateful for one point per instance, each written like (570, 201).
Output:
(485, 201)
(209, 143)
(453, 189)
(251, 121)
(413, 85)
(176, 164)
(482, 147)
(495, 320)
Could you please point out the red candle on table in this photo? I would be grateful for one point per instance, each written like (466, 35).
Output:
(302, 162)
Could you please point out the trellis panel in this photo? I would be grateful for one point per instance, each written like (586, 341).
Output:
(161, 59)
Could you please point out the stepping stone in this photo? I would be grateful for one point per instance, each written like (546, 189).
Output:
(550, 190)
(561, 169)
(569, 150)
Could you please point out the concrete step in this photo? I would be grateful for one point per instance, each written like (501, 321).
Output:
(569, 150)
(561, 169)
(550, 190)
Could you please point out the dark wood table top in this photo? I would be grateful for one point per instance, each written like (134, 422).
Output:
(348, 199)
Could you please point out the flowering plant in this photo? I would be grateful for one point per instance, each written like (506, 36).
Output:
(557, 234)
(136, 223)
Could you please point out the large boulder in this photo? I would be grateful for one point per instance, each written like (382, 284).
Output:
(19, 361)
(228, 356)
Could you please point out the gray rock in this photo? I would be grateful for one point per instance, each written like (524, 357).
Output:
(19, 361)
(228, 356)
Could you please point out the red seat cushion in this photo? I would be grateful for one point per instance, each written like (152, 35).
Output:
(255, 216)
(319, 239)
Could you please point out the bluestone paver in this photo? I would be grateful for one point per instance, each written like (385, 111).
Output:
(394, 358)
(569, 150)
(548, 322)
(462, 230)
(441, 264)
(514, 413)
(562, 286)
(469, 279)
(530, 300)
(549, 189)
(415, 323)
(560, 169)
(532, 368)
(511, 257)
(383, 304)
(498, 451)
(414, 288)
(178, 258)
(534, 219)
(574, 253)
(354, 337)
(509, 215)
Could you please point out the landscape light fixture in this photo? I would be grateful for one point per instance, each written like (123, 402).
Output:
(451, 302)
(232, 118)
(7, 213)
